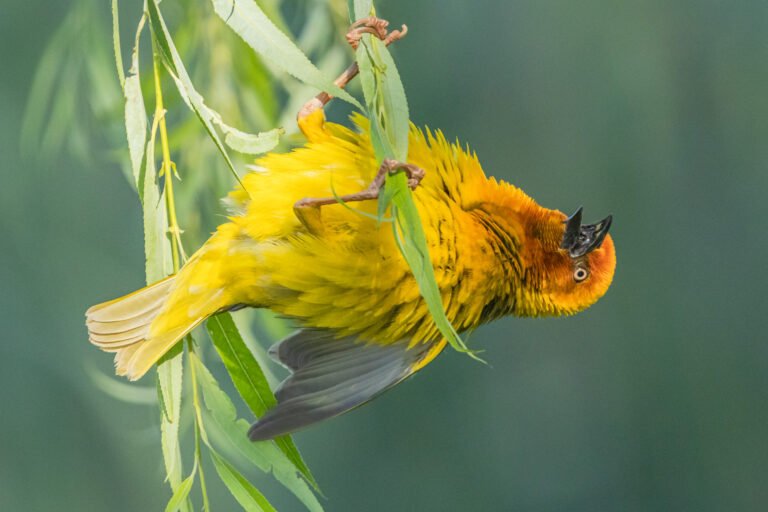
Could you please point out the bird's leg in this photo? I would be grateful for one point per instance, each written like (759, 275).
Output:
(307, 210)
(371, 25)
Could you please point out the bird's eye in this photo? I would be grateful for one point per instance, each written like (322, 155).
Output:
(580, 274)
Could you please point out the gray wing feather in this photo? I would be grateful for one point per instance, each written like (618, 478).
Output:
(330, 377)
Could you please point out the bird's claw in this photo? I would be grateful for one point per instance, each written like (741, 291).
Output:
(374, 26)
(415, 173)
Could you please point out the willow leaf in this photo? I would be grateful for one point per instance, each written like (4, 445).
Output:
(156, 249)
(388, 111)
(169, 376)
(248, 21)
(264, 455)
(135, 113)
(116, 43)
(362, 9)
(249, 380)
(181, 494)
(242, 490)
(157, 252)
(253, 144)
(194, 100)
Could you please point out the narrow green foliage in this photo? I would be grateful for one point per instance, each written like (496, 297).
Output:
(359, 9)
(121, 390)
(195, 101)
(156, 247)
(74, 81)
(388, 113)
(253, 144)
(247, 19)
(116, 43)
(242, 490)
(412, 242)
(264, 455)
(181, 494)
(385, 99)
(169, 375)
(135, 113)
(242, 367)
(249, 380)
(170, 369)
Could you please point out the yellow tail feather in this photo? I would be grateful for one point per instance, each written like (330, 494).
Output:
(124, 326)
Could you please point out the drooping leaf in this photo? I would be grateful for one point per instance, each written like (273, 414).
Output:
(362, 8)
(385, 98)
(116, 43)
(121, 390)
(247, 19)
(52, 94)
(157, 252)
(194, 100)
(253, 144)
(413, 245)
(135, 113)
(243, 368)
(169, 374)
(388, 111)
(156, 247)
(242, 490)
(249, 380)
(181, 494)
(264, 455)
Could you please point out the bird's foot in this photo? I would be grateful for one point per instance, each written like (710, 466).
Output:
(375, 26)
(415, 173)
(370, 25)
(307, 210)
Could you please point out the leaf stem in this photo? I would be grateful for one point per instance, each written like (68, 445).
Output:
(167, 168)
(199, 429)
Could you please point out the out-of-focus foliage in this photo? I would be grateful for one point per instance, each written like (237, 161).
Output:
(143, 86)
(652, 400)
(76, 80)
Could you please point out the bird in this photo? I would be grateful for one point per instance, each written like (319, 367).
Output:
(303, 239)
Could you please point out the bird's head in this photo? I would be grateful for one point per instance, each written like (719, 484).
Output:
(570, 264)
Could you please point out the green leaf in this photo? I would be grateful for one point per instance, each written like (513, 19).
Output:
(135, 113)
(385, 99)
(169, 375)
(249, 380)
(121, 390)
(264, 455)
(53, 90)
(253, 144)
(243, 368)
(243, 491)
(194, 100)
(413, 246)
(247, 19)
(157, 253)
(388, 110)
(362, 8)
(116, 43)
(181, 494)
(156, 247)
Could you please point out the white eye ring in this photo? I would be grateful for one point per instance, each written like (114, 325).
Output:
(580, 274)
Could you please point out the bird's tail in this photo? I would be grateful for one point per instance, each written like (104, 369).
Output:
(140, 327)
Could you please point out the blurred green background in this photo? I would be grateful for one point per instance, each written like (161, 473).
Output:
(654, 399)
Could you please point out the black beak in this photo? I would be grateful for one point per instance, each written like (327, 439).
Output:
(572, 229)
(581, 239)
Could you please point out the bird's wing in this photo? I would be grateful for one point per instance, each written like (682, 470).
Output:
(332, 376)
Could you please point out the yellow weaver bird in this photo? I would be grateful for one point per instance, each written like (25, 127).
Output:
(291, 247)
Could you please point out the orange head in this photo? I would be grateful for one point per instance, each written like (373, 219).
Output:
(569, 266)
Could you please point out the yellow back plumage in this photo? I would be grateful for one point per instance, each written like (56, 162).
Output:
(352, 278)
(348, 275)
